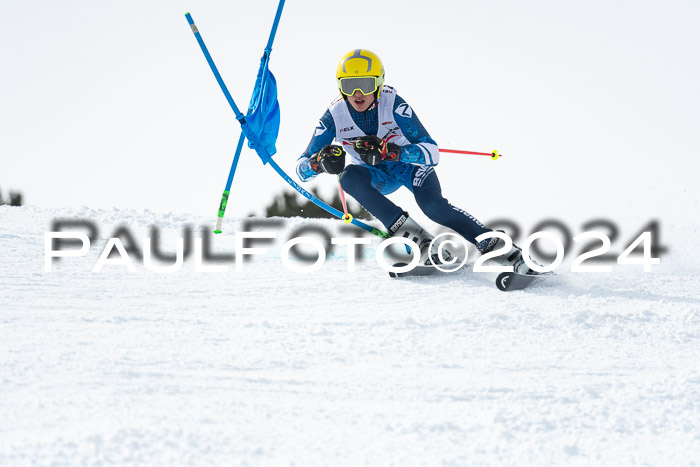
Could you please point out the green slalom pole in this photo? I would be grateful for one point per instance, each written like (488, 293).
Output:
(227, 190)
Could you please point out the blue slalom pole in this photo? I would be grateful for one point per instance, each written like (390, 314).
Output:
(239, 116)
(217, 75)
(273, 32)
(329, 209)
(253, 138)
(234, 164)
(224, 197)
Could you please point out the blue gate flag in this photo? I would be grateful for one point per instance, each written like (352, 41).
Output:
(263, 115)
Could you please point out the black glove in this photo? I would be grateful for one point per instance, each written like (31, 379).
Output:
(330, 159)
(373, 150)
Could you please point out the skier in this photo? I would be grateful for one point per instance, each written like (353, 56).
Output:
(388, 148)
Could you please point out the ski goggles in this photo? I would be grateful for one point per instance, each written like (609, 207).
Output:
(366, 85)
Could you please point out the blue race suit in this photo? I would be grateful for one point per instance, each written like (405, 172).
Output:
(368, 184)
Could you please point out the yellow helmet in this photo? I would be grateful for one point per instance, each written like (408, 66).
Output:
(360, 70)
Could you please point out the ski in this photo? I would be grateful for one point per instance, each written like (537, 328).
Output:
(509, 281)
(505, 282)
(416, 271)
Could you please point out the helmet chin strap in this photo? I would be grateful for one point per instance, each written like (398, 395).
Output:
(373, 104)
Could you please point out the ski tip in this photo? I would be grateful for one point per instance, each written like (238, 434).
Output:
(217, 231)
(502, 281)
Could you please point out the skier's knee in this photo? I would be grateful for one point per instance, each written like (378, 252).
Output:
(437, 210)
(355, 178)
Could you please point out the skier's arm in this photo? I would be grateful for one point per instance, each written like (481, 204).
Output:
(324, 134)
(423, 150)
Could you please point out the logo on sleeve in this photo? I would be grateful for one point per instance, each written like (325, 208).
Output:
(320, 129)
(404, 110)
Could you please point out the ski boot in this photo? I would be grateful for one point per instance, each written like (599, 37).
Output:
(514, 257)
(406, 227)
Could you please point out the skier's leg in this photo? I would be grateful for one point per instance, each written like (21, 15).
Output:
(428, 194)
(368, 186)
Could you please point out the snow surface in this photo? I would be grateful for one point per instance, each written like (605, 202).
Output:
(268, 367)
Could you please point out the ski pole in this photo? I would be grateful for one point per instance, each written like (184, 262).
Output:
(493, 154)
(347, 217)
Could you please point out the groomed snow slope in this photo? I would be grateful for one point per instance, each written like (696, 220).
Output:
(267, 366)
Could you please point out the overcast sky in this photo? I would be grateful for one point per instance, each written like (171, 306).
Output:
(594, 104)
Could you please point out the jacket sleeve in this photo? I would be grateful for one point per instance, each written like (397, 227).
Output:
(423, 150)
(324, 134)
